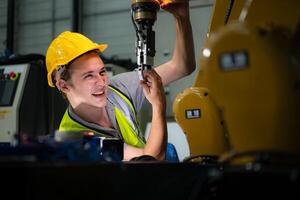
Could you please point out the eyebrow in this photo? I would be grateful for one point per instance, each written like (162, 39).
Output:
(90, 72)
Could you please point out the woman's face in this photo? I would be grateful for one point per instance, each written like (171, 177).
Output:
(88, 82)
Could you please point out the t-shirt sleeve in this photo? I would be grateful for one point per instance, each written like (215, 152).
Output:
(129, 84)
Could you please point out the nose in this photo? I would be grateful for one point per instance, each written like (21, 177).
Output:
(101, 80)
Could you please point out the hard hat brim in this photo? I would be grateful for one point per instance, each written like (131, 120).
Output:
(102, 47)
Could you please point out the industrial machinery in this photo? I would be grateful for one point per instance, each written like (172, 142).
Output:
(28, 108)
(244, 104)
(12, 82)
(143, 13)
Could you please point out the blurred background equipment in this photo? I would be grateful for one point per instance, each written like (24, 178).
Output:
(65, 147)
(13, 78)
(28, 107)
(244, 105)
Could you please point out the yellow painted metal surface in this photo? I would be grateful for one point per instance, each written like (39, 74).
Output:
(251, 68)
(200, 120)
(220, 10)
(259, 99)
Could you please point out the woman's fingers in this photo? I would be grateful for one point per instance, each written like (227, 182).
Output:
(145, 87)
(153, 88)
(151, 76)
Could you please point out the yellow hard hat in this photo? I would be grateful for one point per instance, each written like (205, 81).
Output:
(66, 47)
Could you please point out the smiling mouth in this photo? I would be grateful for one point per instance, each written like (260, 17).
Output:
(98, 94)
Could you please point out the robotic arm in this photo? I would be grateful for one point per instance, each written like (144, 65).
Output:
(143, 14)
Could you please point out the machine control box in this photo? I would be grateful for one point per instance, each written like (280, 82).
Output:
(12, 82)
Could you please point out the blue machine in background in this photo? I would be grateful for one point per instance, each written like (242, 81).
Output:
(83, 148)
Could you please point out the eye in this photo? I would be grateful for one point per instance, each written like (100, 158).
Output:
(102, 72)
(88, 76)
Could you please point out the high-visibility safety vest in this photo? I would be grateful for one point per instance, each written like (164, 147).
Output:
(126, 118)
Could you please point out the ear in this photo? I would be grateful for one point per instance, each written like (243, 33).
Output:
(62, 85)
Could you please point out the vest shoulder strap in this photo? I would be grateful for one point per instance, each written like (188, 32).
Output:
(126, 118)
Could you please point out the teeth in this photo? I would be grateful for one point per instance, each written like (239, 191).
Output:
(99, 93)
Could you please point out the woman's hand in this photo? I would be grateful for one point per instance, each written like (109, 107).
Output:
(153, 89)
(158, 136)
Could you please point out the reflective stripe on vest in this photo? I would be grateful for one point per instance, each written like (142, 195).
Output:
(125, 116)
(126, 119)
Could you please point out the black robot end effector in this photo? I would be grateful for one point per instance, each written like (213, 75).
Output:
(143, 16)
(145, 10)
